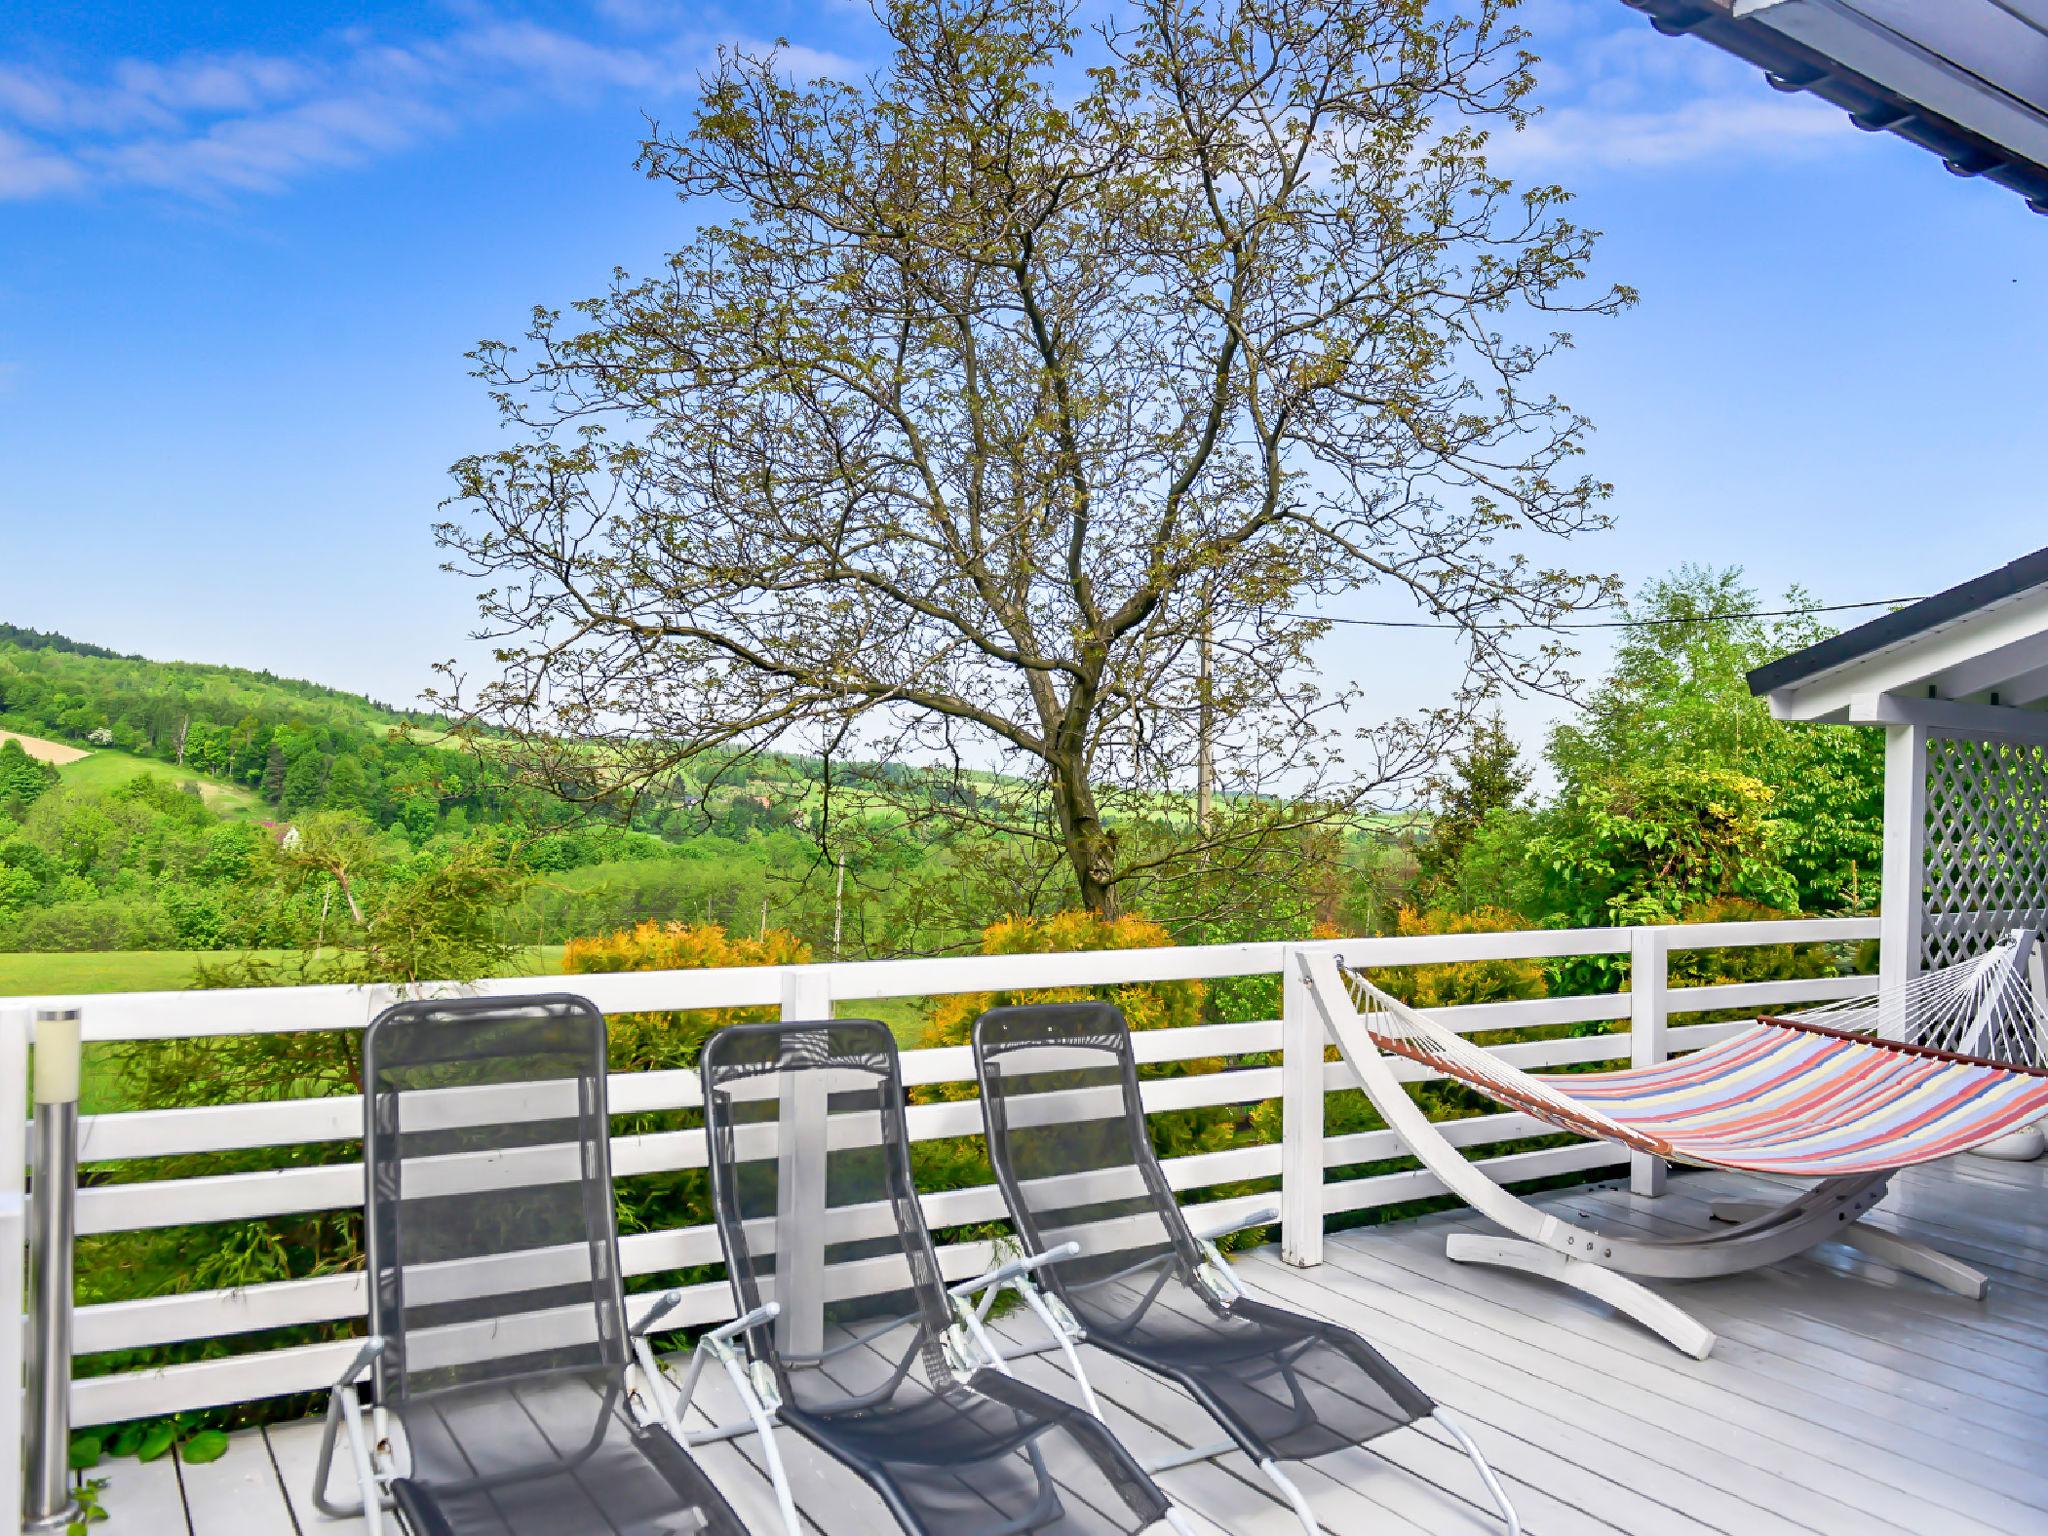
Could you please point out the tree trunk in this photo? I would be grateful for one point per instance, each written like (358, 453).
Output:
(1089, 843)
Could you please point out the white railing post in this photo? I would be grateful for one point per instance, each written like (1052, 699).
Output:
(14, 1028)
(1301, 1116)
(1648, 1017)
(1902, 903)
(800, 1177)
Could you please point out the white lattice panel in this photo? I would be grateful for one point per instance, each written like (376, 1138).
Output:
(1985, 870)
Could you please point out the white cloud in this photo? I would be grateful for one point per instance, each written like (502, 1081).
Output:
(209, 125)
(29, 170)
(816, 63)
(1708, 128)
(1617, 94)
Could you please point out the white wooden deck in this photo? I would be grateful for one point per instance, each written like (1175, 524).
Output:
(1841, 1398)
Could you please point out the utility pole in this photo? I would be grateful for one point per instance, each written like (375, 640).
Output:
(839, 908)
(1205, 724)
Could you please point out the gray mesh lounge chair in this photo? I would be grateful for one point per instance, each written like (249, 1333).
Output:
(503, 1371)
(1068, 1137)
(852, 1339)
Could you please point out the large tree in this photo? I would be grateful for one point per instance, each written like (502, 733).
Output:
(1010, 411)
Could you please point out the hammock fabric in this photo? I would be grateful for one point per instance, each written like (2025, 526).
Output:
(1783, 1097)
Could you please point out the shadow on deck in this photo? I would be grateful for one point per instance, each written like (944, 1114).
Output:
(1842, 1397)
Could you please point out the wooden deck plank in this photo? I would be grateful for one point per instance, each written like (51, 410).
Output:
(1417, 1471)
(1503, 1403)
(1548, 1335)
(1867, 1403)
(295, 1452)
(239, 1492)
(1835, 1289)
(1987, 1345)
(1434, 1482)
(1752, 1444)
(1811, 1452)
(1583, 1412)
(828, 1497)
(142, 1498)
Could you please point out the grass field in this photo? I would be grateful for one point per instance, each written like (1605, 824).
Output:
(108, 769)
(165, 970)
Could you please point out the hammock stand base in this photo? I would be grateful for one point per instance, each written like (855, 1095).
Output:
(1602, 1265)
(1901, 1253)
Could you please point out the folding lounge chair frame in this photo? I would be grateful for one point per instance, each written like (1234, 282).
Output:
(1601, 1264)
(751, 1349)
(506, 1086)
(1111, 1181)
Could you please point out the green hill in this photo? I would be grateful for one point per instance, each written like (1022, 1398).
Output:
(258, 745)
(106, 769)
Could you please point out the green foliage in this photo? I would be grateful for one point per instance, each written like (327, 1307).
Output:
(48, 640)
(1487, 777)
(649, 1041)
(207, 1445)
(23, 780)
(1675, 787)
(91, 1510)
(1648, 843)
(1674, 736)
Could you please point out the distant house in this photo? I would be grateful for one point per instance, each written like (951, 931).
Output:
(1967, 79)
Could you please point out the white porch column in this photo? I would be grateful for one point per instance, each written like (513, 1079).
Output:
(1648, 974)
(1905, 853)
(1301, 1116)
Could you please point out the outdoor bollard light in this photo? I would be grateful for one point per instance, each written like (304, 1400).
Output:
(52, 1225)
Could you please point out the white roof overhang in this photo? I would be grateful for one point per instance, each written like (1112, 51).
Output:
(1982, 64)
(1982, 669)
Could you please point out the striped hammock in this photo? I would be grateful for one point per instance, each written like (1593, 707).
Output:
(1804, 1097)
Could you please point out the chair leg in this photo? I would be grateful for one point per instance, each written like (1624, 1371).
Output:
(1456, 1431)
(1673, 1324)
(344, 1411)
(763, 1419)
(1886, 1247)
(1035, 1300)
(1177, 1522)
(1296, 1499)
(1189, 1456)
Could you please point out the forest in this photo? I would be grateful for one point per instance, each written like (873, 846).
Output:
(224, 811)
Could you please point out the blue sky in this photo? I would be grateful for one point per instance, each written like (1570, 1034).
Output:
(244, 247)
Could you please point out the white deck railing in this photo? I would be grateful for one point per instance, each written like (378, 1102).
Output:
(1299, 1161)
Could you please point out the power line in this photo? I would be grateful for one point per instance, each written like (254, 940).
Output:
(1704, 618)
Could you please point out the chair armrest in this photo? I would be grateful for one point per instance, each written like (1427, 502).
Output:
(1015, 1269)
(767, 1312)
(664, 1304)
(373, 1346)
(1264, 1217)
